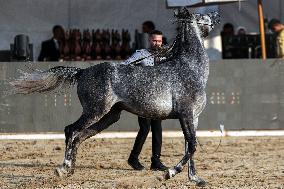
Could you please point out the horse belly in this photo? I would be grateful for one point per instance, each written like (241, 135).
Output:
(161, 107)
(158, 107)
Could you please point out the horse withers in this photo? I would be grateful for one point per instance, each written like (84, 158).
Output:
(174, 89)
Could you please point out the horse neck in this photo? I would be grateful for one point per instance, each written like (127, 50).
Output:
(191, 47)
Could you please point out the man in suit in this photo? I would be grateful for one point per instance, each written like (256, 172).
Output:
(155, 43)
(50, 49)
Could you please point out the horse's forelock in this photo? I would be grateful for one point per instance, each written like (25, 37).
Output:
(183, 13)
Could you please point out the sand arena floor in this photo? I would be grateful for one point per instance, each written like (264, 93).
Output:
(240, 162)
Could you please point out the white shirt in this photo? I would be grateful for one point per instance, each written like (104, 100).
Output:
(56, 43)
(149, 61)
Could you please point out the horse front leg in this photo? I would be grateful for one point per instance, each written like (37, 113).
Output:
(189, 132)
(191, 168)
(192, 172)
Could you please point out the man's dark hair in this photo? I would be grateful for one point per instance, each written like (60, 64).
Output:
(228, 25)
(228, 29)
(273, 22)
(149, 24)
(56, 27)
(155, 32)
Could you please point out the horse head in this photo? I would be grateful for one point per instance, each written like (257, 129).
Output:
(207, 22)
(192, 29)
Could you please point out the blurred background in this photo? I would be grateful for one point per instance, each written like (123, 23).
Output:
(81, 19)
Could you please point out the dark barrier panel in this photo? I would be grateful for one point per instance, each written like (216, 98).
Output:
(241, 94)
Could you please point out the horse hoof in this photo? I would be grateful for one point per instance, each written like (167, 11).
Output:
(198, 181)
(60, 172)
(201, 183)
(169, 174)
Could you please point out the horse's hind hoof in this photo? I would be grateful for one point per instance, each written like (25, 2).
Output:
(60, 172)
(169, 174)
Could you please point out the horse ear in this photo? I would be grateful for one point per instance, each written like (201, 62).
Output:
(185, 10)
(186, 13)
(177, 12)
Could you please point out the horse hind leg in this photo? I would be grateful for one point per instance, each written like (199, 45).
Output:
(77, 137)
(83, 122)
(71, 131)
(189, 132)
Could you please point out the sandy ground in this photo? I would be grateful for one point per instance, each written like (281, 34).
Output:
(240, 162)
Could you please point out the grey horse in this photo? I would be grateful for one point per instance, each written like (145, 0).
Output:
(174, 89)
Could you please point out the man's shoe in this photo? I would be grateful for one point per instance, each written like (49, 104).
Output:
(135, 164)
(158, 166)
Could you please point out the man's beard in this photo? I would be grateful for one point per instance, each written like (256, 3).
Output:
(156, 48)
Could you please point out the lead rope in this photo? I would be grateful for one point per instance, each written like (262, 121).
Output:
(164, 52)
(221, 127)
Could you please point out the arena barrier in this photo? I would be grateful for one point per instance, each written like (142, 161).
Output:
(241, 95)
(166, 134)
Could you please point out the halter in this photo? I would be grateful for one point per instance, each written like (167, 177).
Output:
(198, 23)
(211, 25)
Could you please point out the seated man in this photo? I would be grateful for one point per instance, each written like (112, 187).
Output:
(50, 49)
(155, 42)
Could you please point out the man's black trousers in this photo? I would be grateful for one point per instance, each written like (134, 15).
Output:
(156, 129)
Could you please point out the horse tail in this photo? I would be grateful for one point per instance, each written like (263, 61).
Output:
(45, 81)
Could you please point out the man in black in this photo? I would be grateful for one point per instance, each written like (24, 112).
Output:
(50, 49)
(155, 41)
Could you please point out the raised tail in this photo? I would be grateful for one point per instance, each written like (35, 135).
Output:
(45, 81)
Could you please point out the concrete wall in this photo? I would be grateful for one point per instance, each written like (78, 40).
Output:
(241, 94)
